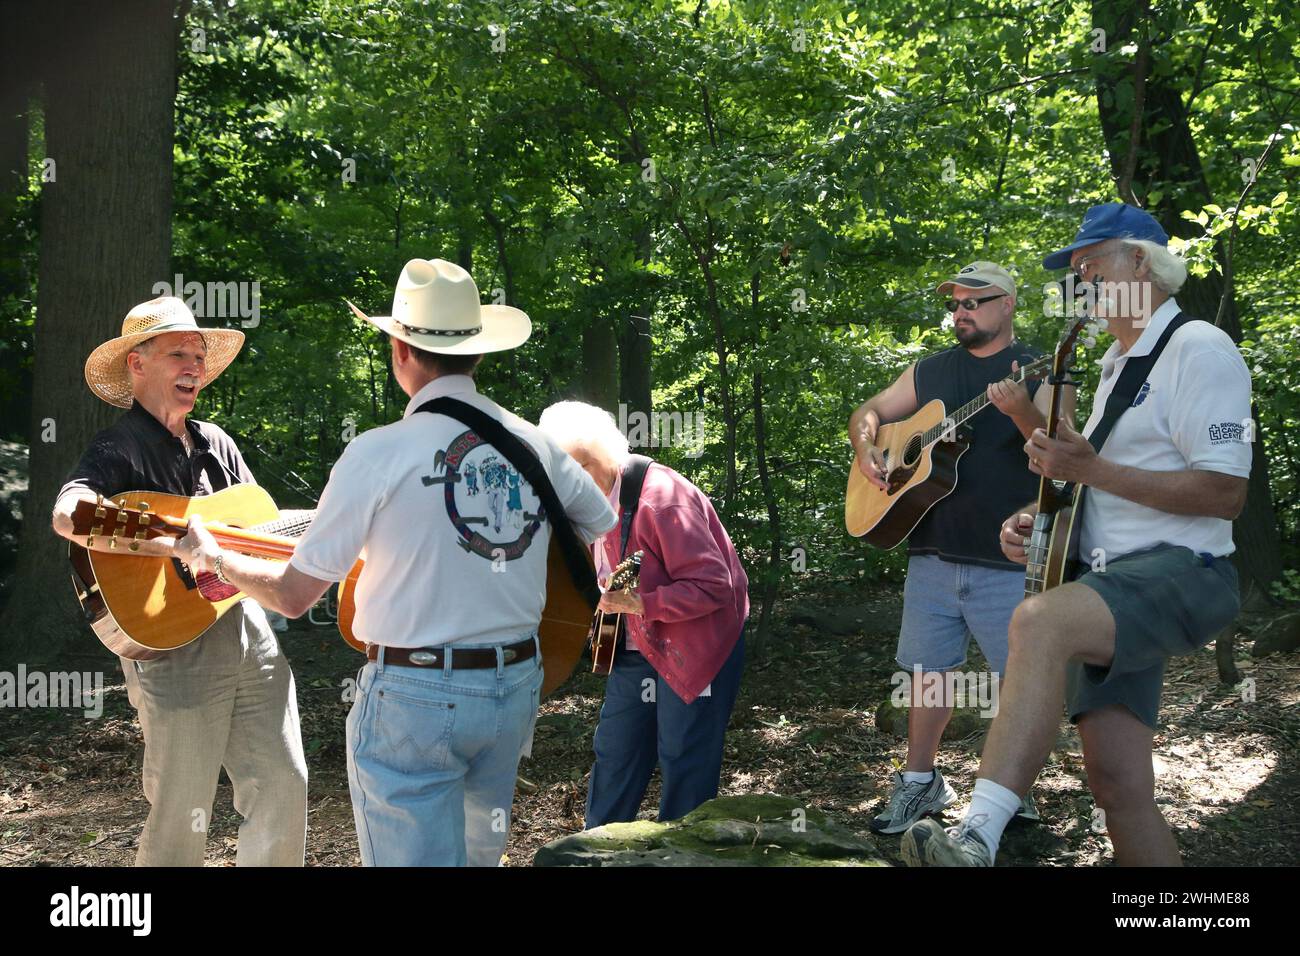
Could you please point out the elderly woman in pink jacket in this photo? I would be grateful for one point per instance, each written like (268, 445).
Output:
(676, 672)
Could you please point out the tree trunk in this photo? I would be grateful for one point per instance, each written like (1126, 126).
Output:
(1166, 140)
(599, 381)
(724, 377)
(634, 343)
(16, 87)
(110, 82)
(772, 579)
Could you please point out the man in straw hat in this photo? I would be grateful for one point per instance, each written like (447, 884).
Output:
(227, 699)
(959, 584)
(1162, 488)
(453, 588)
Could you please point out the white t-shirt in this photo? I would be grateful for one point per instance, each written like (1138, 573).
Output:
(454, 544)
(1192, 413)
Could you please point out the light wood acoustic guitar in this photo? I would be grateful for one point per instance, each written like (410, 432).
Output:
(921, 454)
(562, 633)
(607, 627)
(142, 606)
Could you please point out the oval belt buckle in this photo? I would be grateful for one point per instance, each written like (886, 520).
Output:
(508, 655)
(423, 658)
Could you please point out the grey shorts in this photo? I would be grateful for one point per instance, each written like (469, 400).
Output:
(1166, 601)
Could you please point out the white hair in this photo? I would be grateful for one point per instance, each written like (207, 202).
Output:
(1168, 271)
(571, 423)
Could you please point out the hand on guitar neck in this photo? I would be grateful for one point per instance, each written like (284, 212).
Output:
(623, 601)
(1067, 457)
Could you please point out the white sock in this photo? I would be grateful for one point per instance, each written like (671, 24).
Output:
(917, 776)
(999, 805)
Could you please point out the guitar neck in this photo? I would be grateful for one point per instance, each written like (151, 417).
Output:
(290, 524)
(980, 402)
(246, 541)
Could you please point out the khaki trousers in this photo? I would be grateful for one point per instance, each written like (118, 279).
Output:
(227, 699)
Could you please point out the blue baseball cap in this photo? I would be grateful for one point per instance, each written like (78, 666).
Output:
(1114, 220)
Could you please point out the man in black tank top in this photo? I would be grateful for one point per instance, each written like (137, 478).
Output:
(959, 583)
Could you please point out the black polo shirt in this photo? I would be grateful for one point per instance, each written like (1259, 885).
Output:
(138, 453)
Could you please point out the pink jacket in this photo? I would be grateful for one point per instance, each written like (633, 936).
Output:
(695, 592)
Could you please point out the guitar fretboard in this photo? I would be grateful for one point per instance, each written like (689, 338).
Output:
(977, 404)
(290, 524)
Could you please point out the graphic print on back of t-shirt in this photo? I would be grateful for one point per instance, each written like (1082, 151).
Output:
(493, 509)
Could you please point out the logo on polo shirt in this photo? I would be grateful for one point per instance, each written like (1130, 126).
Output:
(1141, 396)
(1225, 432)
(491, 506)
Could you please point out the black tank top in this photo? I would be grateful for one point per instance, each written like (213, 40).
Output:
(993, 476)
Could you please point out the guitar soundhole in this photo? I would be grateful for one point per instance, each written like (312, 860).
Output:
(913, 451)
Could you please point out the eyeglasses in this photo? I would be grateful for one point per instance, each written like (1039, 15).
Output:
(1081, 269)
(970, 305)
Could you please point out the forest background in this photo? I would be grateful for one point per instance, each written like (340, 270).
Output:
(731, 215)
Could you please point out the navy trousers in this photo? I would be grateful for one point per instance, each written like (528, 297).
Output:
(643, 723)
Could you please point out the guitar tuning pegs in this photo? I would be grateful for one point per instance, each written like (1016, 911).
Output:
(99, 506)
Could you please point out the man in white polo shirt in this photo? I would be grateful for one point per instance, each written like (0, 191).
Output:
(455, 542)
(1156, 533)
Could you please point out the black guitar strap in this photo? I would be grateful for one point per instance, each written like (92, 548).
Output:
(1121, 398)
(1136, 371)
(629, 496)
(527, 464)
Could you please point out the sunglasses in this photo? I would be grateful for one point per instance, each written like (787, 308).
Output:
(970, 305)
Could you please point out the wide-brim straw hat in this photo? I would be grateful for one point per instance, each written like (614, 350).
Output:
(106, 371)
(436, 308)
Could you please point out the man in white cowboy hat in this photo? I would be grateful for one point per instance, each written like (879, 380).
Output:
(453, 588)
(227, 699)
(959, 584)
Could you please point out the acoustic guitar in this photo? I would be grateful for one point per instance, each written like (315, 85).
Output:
(141, 606)
(921, 454)
(608, 627)
(562, 633)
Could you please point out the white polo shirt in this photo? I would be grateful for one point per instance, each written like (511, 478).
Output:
(454, 543)
(1192, 413)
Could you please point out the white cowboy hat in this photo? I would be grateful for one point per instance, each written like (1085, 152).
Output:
(106, 372)
(436, 308)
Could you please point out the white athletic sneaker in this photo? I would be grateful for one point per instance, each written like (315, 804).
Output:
(927, 843)
(911, 801)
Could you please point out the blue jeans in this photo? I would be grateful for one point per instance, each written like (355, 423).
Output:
(644, 722)
(945, 603)
(432, 759)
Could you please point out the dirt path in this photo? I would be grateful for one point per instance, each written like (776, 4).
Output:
(804, 726)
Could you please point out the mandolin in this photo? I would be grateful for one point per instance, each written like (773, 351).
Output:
(606, 627)
(921, 454)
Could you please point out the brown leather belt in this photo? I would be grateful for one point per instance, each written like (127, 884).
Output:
(462, 658)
